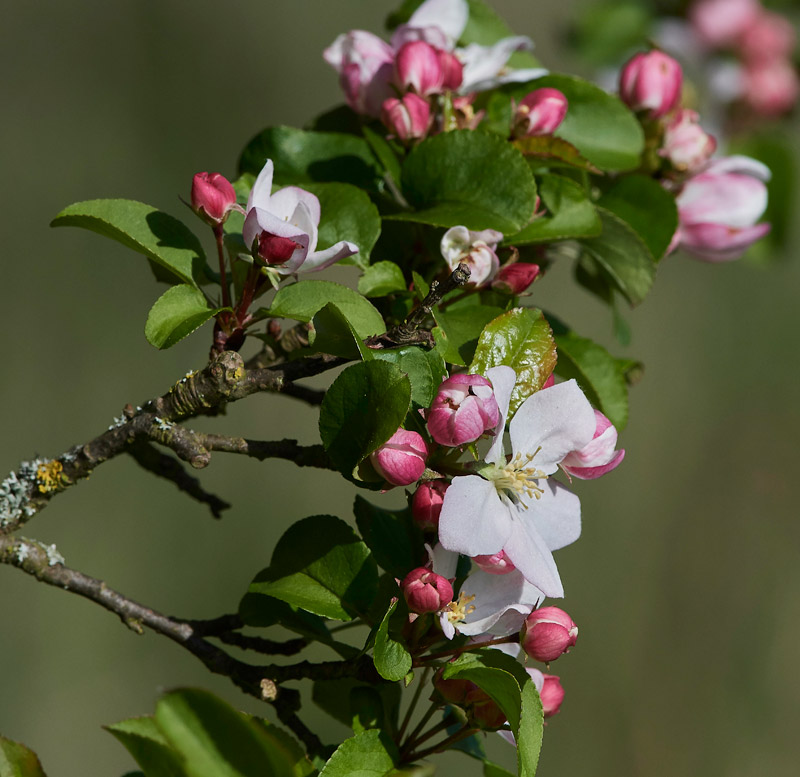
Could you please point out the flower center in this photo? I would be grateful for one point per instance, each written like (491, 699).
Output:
(458, 609)
(519, 478)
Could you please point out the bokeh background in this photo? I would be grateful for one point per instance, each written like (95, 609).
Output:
(686, 581)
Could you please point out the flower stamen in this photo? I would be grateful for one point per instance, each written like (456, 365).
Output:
(458, 609)
(518, 478)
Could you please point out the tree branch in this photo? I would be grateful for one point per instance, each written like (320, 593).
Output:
(302, 455)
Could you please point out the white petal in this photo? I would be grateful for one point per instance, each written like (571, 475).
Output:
(556, 515)
(503, 380)
(474, 520)
(444, 561)
(450, 16)
(502, 602)
(319, 260)
(739, 163)
(531, 556)
(262, 188)
(558, 419)
(521, 76)
(485, 62)
(284, 202)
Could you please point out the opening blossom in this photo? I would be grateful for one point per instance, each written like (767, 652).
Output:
(599, 456)
(463, 409)
(281, 228)
(475, 249)
(401, 459)
(512, 505)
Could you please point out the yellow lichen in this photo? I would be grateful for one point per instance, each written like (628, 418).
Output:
(48, 476)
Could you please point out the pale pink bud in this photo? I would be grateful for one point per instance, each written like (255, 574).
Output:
(452, 70)
(686, 144)
(426, 504)
(463, 409)
(496, 564)
(408, 118)
(418, 67)
(475, 249)
(401, 460)
(515, 278)
(598, 456)
(213, 197)
(771, 87)
(425, 591)
(770, 37)
(548, 633)
(540, 112)
(551, 694)
(651, 82)
(721, 23)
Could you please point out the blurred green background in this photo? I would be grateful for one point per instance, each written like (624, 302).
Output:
(686, 581)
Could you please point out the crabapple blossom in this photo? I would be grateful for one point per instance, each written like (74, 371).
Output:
(686, 144)
(770, 37)
(425, 591)
(408, 118)
(548, 633)
(540, 112)
(418, 67)
(770, 87)
(426, 504)
(513, 505)
(516, 278)
(401, 459)
(281, 228)
(463, 409)
(651, 82)
(721, 23)
(460, 245)
(598, 456)
(213, 197)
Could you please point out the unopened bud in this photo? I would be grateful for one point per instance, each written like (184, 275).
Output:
(274, 249)
(540, 112)
(548, 633)
(452, 70)
(651, 82)
(686, 144)
(496, 564)
(426, 505)
(408, 118)
(401, 459)
(418, 67)
(464, 408)
(213, 197)
(425, 591)
(551, 694)
(515, 278)
(598, 456)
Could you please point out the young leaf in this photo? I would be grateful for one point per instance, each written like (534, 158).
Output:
(344, 700)
(362, 409)
(380, 279)
(553, 151)
(147, 230)
(177, 313)
(302, 300)
(493, 770)
(368, 754)
(520, 339)
(472, 178)
(384, 152)
(622, 255)
(322, 566)
(425, 370)
(459, 329)
(392, 660)
(142, 738)
(570, 214)
(391, 536)
(16, 760)
(333, 333)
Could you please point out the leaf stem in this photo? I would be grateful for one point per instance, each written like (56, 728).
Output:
(462, 733)
(414, 699)
(219, 235)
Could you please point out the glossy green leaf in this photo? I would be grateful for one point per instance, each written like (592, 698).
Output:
(384, 152)
(425, 370)
(623, 257)
(553, 151)
(392, 660)
(301, 765)
(16, 760)
(345, 700)
(459, 328)
(646, 206)
(520, 339)
(300, 301)
(321, 565)
(380, 279)
(599, 374)
(333, 333)
(142, 738)
(362, 409)
(214, 740)
(569, 214)
(368, 754)
(147, 230)
(467, 177)
(177, 313)
(303, 156)
(391, 535)
(493, 770)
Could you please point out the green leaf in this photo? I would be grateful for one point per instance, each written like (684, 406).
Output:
(493, 770)
(362, 409)
(321, 565)
(16, 760)
(623, 257)
(347, 213)
(385, 153)
(391, 535)
(468, 177)
(531, 730)
(553, 151)
(214, 740)
(301, 301)
(368, 754)
(570, 214)
(302, 156)
(380, 279)
(302, 766)
(599, 374)
(346, 700)
(459, 328)
(598, 124)
(520, 339)
(392, 660)
(425, 370)
(646, 206)
(177, 313)
(333, 333)
(147, 230)
(606, 29)
(142, 738)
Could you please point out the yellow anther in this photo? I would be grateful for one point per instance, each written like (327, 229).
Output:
(458, 610)
(518, 478)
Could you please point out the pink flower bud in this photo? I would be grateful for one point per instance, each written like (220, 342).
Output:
(401, 460)
(651, 82)
(515, 278)
(551, 694)
(418, 67)
(771, 87)
(598, 456)
(496, 564)
(425, 591)
(464, 408)
(686, 144)
(274, 249)
(408, 118)
(548, 633)
(452, 70)
(426, 505)
(483, 711)
(770, 37)
(721, 23)
(213, 197)
(475, 249)
(540, 112)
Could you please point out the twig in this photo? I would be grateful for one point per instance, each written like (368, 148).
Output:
(302, 455)
(462, 733)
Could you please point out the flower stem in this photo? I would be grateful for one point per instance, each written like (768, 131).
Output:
(414, 699)
(248, 292)
(223, 279)
(462, 733)
(413, 742)
(466, 649)
(423, 722)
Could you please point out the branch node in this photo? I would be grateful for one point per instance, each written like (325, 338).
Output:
(269, 691)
